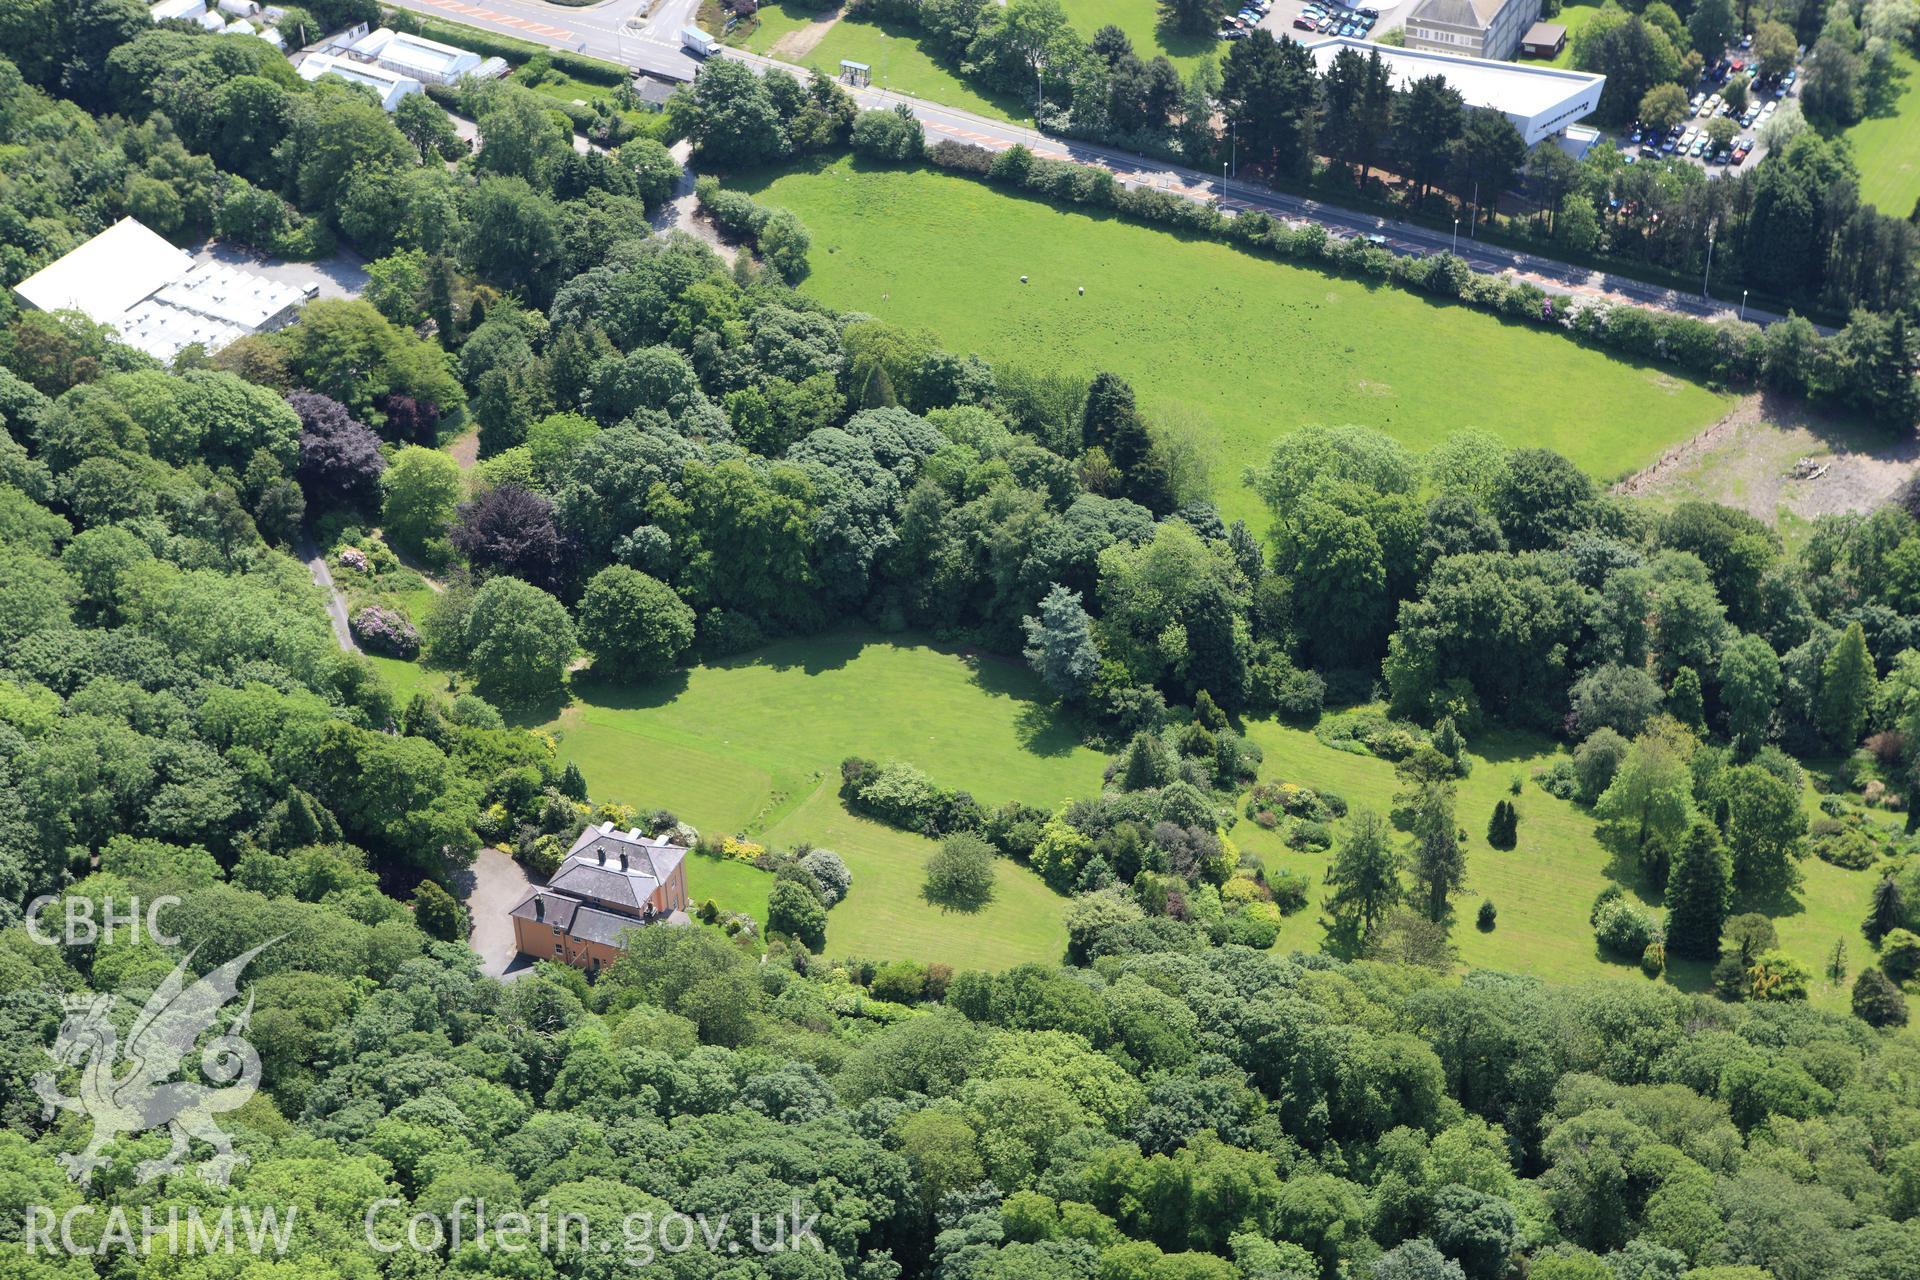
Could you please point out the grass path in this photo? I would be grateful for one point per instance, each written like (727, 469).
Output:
(1235, 348)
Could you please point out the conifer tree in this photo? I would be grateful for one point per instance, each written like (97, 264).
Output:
(1699, 891)
(1846, 688)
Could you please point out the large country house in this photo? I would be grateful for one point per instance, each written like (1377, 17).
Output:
(609, 882)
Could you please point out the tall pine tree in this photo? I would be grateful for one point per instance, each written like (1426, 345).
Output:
(1846, 688)
(1364, 878)
(1438, 863)
(1699, 891)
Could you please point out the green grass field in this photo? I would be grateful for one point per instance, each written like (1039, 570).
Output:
(1544, 887)
(900, 62)
(1140, 19)
(1238, 348)
(1572, 17)
(1886, 147)
(754, 746)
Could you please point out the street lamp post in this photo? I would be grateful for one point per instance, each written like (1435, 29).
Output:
(1743, 304)
(1456, 237)
(1706, 276)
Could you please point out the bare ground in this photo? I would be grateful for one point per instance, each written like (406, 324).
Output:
(1748, 460)
(796, 45)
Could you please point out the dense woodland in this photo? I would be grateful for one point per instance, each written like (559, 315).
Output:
(682, 458)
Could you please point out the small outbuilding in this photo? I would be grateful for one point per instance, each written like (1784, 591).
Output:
(1543, 40)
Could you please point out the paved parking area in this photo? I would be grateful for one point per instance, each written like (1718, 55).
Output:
(1393, 13)
(341, 275)
(1751, 132)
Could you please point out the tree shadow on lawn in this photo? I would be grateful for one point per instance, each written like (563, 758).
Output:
(1883, 97)
(1177, 43)
(1504, 746)
(627, 695)
(531, 715)
(1042, 729)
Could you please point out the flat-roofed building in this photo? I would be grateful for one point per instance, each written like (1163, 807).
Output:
(425, 60)
(156, 297)
(1541, 101)
(1543, 40)
(1476, 28)
(390, 86)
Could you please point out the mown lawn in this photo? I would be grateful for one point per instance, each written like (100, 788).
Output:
(1236, 348)
(754, 746)
(1543, 888)
(1140, 19)
(1572, 17)
(894, 51)
(1886, 146)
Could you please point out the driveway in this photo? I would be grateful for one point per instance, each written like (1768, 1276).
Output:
(497, 886)
(336, 603)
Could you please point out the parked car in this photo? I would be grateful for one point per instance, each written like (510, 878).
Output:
(1303, 24)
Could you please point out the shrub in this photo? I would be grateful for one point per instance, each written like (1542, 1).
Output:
(1289, 889)
(1848, 847)
(1622, 928)
(1503, 828)
(1877, 1001)
(385, 631)
(795, 910)
(902, 796)
(741, 849)
(960, 874)
(894, 135)
(1312, 836)
(1653, 960)
(1559, 780)
(1485, 919)
(1900, 954)
(829, 871)
(1290, 799)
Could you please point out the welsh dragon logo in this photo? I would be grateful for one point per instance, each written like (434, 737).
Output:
(131, 1088)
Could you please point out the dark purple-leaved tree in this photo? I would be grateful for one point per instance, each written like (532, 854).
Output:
(340, 462)
(509, 530)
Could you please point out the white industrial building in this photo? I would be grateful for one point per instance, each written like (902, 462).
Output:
(428, 61)
(389, 86)
(1541, 101)
(156, 296)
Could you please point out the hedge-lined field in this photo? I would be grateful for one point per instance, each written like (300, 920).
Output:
(1238, 349)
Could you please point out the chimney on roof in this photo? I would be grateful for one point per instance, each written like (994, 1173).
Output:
(623, 859)
(602, 851)
(539, 908)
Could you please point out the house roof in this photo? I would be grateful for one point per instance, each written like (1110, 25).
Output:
(1544, 33)
(108, 274)
(1473, 15)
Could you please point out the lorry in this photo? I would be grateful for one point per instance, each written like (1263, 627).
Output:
(698, 41)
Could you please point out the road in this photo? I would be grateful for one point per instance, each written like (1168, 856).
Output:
(615, 31)
(336, 603)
